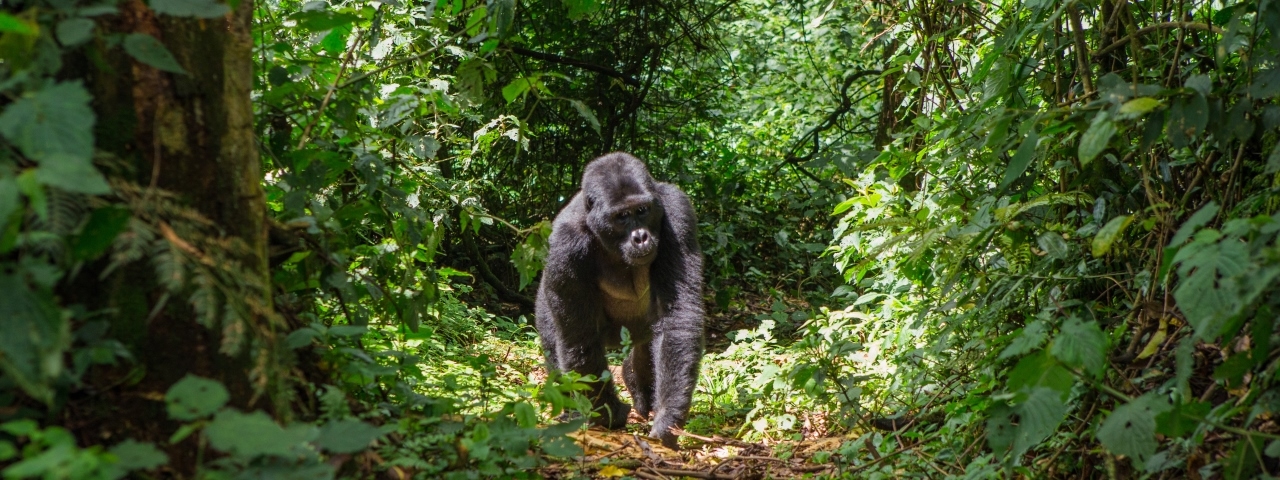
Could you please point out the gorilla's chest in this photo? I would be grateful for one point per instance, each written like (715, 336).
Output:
(627, 297)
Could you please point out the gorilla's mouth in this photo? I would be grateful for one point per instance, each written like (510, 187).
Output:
(641, 254)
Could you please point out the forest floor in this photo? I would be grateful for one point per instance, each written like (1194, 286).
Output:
(711, 448)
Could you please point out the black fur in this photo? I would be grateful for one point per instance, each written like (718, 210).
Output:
(624, 252)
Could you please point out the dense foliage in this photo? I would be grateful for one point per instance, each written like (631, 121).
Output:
(942, 238)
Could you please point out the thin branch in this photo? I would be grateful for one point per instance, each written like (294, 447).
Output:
(1166, 25)
(563, 60)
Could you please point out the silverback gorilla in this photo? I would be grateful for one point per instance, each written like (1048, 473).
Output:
(624, 253)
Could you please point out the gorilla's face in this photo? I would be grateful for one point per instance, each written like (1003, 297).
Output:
(628, 228)
(623, 211)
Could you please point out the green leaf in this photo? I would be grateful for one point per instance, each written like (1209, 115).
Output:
(584, 111)
(1001, 430)
(1187, 118)
(321, 20)
(190, 8)
(563, 447)
(1029, 338)
(1038, 417)
(1095, 140)
(8, 199)
(1053, 245)
(10, 23)
(1108, 234)
(579, 9)
(33, 357)
(146, 49)
(477, 20)
(1040, 370)
(347, 436)
(517, 88)
(1081, 344)
(1266, 83)
(195, 397)
(1197, 220)
(56, 120)
(1138, 107)
(1200, 83)
(1209, 292)
(102, 228)
(526, 416)
(74, 31)
(73, 174)
(335, 41)
(134, 455)
(1131, 429)
(1021, 160)
(1182, 419)
(504, 14)
(1273, 160)
(255, 434)
(1273, 449)
(301, 338)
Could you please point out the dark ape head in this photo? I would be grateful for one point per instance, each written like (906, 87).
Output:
(623, 208)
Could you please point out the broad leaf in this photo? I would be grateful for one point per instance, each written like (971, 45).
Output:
(1038, 416)
(1131, 429)
(146, 49)
(73, 174)
(74, 31)
(1095, 140)
(1197, 220)
(1021, 160)
(1139, 107)
(1081, 344)
(56, 120)
(102, 228)
(1109, 233)
(190, 8)
(255, 434)
(347, 436)
(1040, 370)
(195, 397)
(134, 455)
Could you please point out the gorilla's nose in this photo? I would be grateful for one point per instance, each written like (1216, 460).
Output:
(640, 237)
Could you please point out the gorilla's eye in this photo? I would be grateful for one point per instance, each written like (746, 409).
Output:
(642, 210)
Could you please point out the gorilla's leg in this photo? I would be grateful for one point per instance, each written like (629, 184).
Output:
(589, 359)
(676, 361)
(637, 371)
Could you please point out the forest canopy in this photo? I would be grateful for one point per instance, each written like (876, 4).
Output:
(960, 238)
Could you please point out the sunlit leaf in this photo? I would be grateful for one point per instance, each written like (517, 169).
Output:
(1108, 234)
(1139, 106)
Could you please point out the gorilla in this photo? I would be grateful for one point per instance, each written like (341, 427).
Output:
(624, 253)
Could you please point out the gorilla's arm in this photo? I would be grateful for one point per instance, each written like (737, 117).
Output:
(678, 339)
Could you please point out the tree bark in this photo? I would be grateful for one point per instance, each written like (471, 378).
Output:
(191, 135)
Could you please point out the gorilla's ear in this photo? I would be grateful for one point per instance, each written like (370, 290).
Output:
(588, 201)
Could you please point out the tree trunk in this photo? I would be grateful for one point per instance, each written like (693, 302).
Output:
(191, 135)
